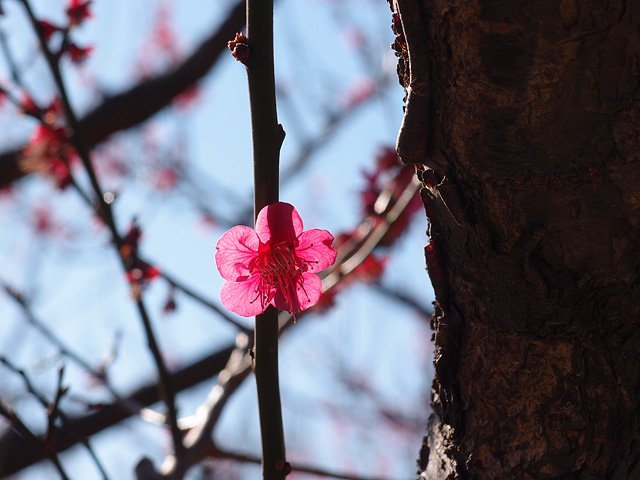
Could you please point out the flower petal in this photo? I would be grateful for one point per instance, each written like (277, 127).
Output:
(307, 293)
(314, 247)
(243, 297)
(278, 223)
(235, 249)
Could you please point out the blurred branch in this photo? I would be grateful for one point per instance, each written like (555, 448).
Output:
(402, 297)
(132, 107)
(103, 209)
(53, 408)
(18, 452)
(358, 385)
(53, 411)
(314, 143)
(30, 438)
(100, 375)
(198, 442)
(295, 467)
(13, 68)
(374, 229)
(49, 335)
(207, 303)
(333, 121)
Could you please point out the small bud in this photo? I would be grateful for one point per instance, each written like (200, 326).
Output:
(239, 48)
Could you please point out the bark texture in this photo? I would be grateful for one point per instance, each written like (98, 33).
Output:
(522, 118)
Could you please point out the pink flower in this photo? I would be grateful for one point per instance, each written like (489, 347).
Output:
(275, 264)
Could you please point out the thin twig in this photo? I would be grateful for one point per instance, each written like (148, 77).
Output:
(295, 467)
(103, 208)
(47, 333)
(135, 105)
(13, 68)
(53, 413)
(20, 453)
(19, 426)
(53, 409)
(402, 297)
(66, 351)
(207, 303)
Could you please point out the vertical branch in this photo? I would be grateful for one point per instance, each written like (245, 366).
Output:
(267, 137)
(265, 367)
(267, 134)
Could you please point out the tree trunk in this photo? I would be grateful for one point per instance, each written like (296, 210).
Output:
(522, 119)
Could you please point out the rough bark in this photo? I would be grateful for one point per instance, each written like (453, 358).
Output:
(522, 119)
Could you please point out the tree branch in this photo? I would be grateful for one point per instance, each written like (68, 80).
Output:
(18, 452)
(132, 107)
(103, 209)
(53, 411)
(267, 137)
(299, 468)
(30, 439)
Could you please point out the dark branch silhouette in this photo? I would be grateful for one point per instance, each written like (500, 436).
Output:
(132, 107)
(18, 452)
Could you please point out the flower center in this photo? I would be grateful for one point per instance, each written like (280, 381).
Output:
(277, 261)
(279, 268)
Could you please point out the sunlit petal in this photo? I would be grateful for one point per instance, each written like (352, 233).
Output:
(277, 223)
(244, 298)
(304, 294)
(235, 249)
(314, 246)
